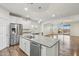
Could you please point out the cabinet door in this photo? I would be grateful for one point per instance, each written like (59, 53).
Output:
(53, 51)
(67, 41)
(43, 51)
(22, 44)
(27, 47)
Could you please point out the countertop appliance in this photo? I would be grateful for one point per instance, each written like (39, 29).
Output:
(15, 32)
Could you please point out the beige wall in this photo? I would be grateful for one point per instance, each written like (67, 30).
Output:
(75, 29)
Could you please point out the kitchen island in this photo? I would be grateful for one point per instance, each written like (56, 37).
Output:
(45, 46)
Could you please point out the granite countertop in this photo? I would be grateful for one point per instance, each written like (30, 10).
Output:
(45, 41)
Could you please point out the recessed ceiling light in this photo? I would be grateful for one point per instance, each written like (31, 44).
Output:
(27, 16)
(32, 26)
(40, 21)
(25, 9)
(53, 15)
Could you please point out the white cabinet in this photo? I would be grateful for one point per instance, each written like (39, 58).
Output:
(25, 45)
(22, 43)
(45, 51)
(67, 41)
(53, 51)
(64, 44)
(64, 41)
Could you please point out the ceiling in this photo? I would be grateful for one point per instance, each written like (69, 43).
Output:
(44, 11)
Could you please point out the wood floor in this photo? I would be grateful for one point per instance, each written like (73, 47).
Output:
(74, 48)
(75, 45)
(12, 51)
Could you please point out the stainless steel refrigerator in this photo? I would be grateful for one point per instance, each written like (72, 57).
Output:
(15, 32)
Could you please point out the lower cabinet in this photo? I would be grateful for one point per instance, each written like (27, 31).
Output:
(53, 51)
(25, 45)
(45, 51)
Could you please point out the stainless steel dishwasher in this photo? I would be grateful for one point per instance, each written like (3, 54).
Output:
(35, 49)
